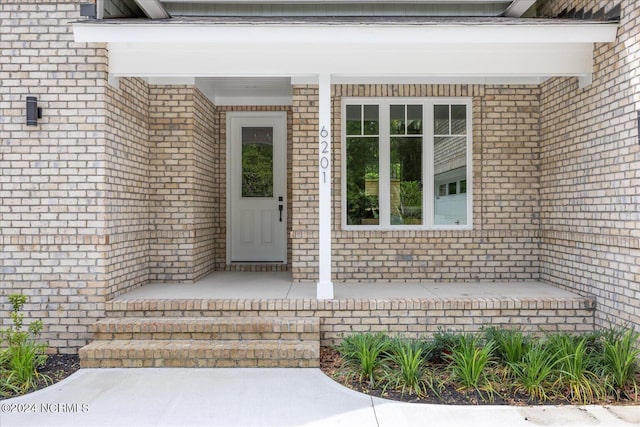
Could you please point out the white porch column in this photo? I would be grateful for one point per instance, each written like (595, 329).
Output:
(325, 286)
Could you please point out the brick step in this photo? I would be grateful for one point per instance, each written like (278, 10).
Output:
(200, 354)
(208, 328)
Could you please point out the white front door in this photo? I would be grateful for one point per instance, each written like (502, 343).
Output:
(257, 212)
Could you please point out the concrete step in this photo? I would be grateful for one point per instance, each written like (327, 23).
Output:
(208, 328)
(200, 354)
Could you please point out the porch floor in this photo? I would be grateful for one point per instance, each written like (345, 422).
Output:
(279, 285)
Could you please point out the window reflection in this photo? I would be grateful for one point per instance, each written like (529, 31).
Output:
(450, 165)
(257, 162)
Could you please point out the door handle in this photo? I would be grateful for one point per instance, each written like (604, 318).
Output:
(280, 208)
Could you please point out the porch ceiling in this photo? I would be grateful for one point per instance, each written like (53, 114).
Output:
(161, 9)
(362, 50)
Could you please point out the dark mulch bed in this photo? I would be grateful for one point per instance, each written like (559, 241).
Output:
(330, 364)
(60, 366)
(57, 368)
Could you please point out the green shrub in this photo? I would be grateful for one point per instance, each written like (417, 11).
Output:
(442, 345)
(22, 356)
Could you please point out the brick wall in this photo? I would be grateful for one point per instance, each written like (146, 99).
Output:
(504, 242)
(53, 186)
(206, 189)
(172, 159)
(304, 195)
(183, 164)
(127, 204)
(590, 174)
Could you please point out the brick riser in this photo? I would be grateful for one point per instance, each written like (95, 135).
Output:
(207, 328)
(200, 354)
(409, 317)
(204, 342)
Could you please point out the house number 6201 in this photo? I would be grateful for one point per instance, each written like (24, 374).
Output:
(324, 153)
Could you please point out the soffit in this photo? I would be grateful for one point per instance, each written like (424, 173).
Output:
(159, 9)
(219, 52)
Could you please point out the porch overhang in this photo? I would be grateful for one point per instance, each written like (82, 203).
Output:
(498, 49)
(329, 51)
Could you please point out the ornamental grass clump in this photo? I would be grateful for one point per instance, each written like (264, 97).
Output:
(21, 355)
(364, 354)
(511, 345)
(577, 368)
(405, 367)
(620, 355)
(534, 373)
(470, 360)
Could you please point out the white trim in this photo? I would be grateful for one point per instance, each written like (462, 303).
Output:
(325, 286)
(427, 152)
(259, 100)
(171, 80)
(427, 80)
(469, 51)
(458, 61)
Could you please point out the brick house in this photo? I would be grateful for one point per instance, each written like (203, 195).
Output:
(364, 142)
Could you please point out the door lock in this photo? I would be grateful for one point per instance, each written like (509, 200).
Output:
(280, 207)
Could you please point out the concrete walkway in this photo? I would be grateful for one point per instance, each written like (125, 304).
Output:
(262, 397)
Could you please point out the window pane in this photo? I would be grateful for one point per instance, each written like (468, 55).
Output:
(406, 180)
(397, 119)
(458, 120)
(441, 119)
(414, 119)
(371, 120)
(452, 188)
(463, 186)
(362, 181)
(450, 168)
(354, 120)
(257, 162)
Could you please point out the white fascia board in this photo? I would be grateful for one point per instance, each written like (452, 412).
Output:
(189, 80)
(336, 35)
(254, 100)
(181, 60)
(435, 80)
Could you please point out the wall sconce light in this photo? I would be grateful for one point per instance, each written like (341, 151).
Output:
(33, 111)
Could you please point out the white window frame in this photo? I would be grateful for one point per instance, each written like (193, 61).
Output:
(428, 195)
